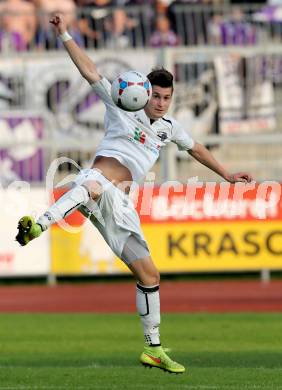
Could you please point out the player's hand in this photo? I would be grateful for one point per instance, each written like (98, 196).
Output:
(242, 177)
(58, 23)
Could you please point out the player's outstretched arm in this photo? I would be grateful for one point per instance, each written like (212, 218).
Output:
(84, 64)
(204, 156)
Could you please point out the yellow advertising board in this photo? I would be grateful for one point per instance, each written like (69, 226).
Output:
(215, 246)
(201, 241)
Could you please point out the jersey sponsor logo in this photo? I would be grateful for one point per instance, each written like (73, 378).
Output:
(152, 149)
(139, 135)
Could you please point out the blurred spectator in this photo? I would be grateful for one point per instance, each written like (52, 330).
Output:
(232, 31)
(17, 24)
(133, 21)
(45, 34)
(163, 34)
(237, 31)
(215, 30)
(95, 21)
(106, 23)
(122, 24)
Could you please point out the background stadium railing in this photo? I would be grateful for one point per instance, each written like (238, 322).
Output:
(132, 26)
(226, 24)
(246, 131)
(260, 154)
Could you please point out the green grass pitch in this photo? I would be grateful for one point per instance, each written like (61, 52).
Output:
(92, 351)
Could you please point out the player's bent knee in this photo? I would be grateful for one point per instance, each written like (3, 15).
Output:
(150, 279)
(94, 188)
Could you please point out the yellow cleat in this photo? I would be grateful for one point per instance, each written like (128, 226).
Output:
(28, 229)
(156, 357)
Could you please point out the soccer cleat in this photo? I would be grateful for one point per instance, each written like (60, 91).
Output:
(156, 357)
(28, 230)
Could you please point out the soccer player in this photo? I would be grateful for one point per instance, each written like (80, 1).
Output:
(101, 193)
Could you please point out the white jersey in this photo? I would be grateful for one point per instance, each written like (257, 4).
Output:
(132, 139)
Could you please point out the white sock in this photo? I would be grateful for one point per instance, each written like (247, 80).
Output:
(64, 206)
(148, 307)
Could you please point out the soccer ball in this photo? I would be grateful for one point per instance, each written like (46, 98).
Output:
(131, 91)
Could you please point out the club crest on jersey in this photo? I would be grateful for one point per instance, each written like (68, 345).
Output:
(162, 135)
(139, 135)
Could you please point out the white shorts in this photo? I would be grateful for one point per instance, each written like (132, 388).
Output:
(114, 215)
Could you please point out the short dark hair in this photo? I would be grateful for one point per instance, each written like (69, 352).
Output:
(161, 77)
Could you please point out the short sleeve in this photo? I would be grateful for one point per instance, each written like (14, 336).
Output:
(103, 89)
(181, 138)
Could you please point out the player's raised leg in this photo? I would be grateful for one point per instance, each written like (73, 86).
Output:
(148, 307)
(86, 188)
